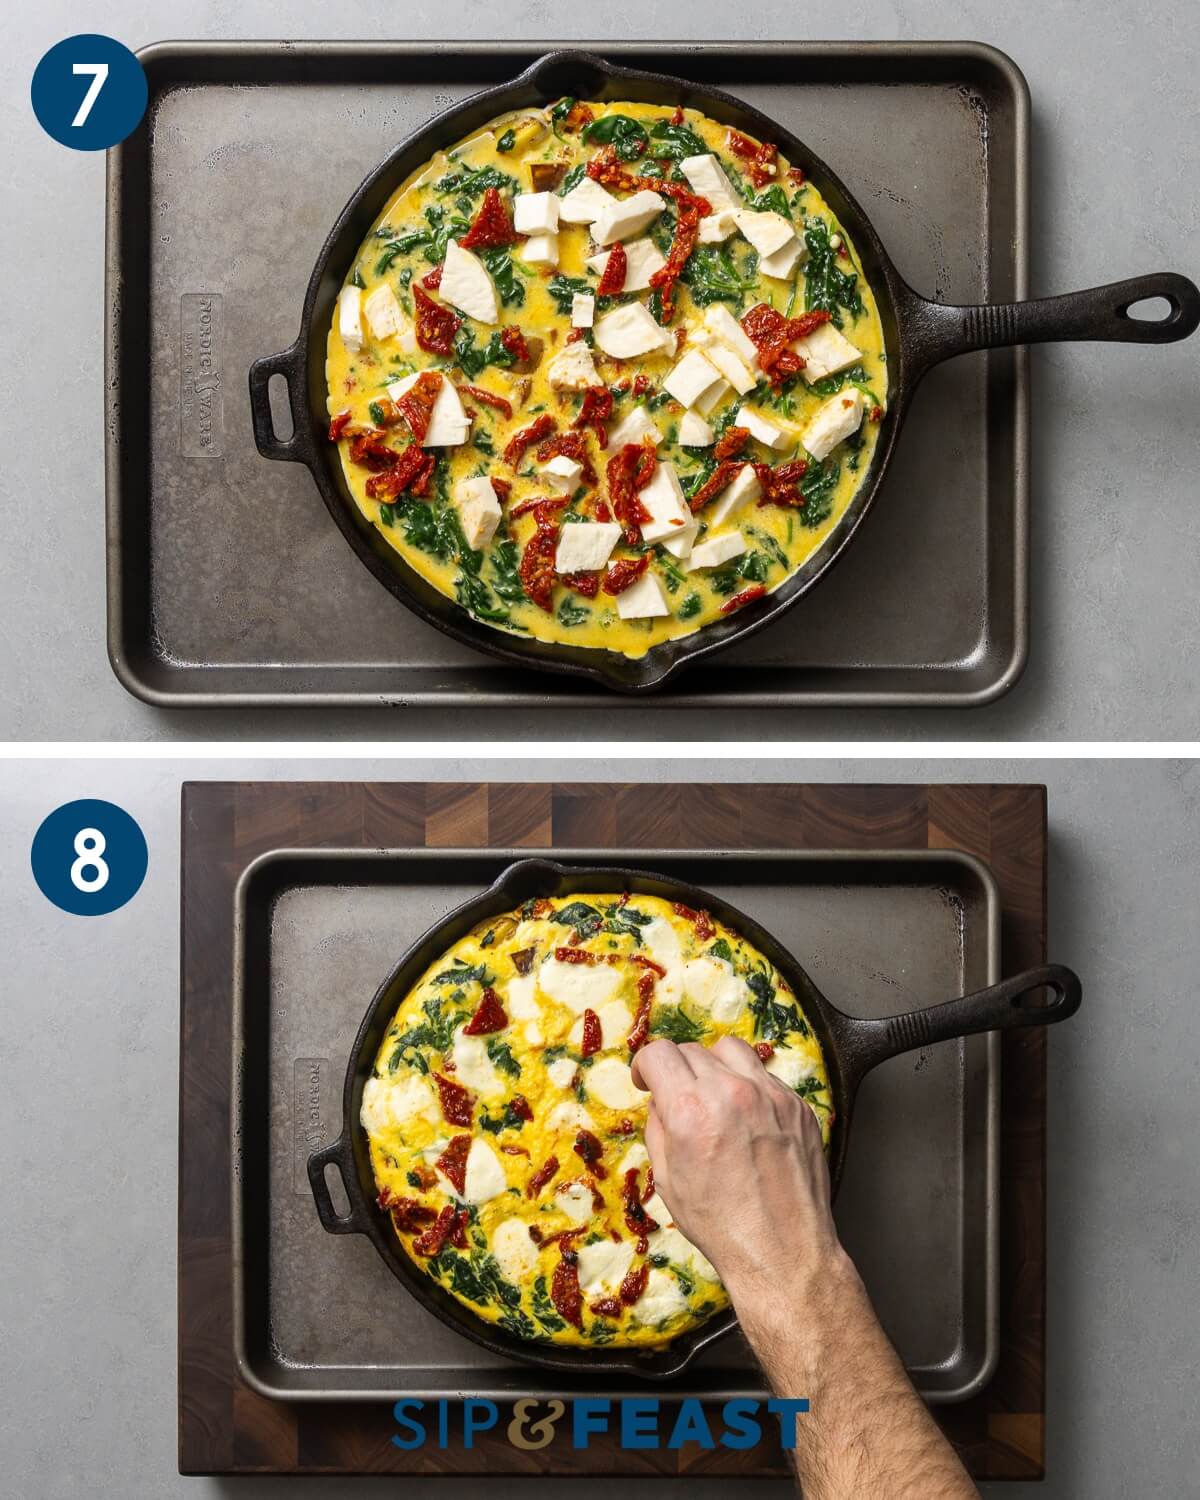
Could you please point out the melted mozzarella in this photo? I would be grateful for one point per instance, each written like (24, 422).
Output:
(562, 1071)
(580, 987)
(515, 1252)
(611, 1082)
(678, 1248)
(616, 1022)
(602, 1266)
(711, 984)
(788, 1066)
(386, 1103)
(574, 1200)
(570, 1115)
(473, 1067)
(663, 1298)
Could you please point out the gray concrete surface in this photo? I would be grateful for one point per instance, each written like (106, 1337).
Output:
(89, 1037)
(1116, 611)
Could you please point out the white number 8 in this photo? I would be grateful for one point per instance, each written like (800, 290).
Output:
(89, 846)
(99, 72)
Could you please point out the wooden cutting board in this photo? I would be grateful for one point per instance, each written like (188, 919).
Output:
(225, 1428)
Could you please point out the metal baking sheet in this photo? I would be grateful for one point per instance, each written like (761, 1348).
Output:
(320, 1317)
(227, 582)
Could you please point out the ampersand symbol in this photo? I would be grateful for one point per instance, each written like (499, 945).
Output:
(541, 1432)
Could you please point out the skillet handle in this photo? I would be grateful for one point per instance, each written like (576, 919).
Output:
(290, 365)
(1000, 1007)
(337, 1155)
(937, 331)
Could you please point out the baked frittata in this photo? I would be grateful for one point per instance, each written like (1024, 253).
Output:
(605, 373)
(505, 1128)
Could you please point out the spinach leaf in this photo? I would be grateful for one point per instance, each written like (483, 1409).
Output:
(712, 276)
(573, 178)
(424, 528)
(809, 1088)
(357, 279)
(721, 949)
(560, 112)
(826, 286)
(773, 200)
(505, 579)
(817, 487)
(563, 289)
(673, 1022)
(690, 607)
(507, 141)
(461, 973)
(504, 273)
(570, 614)
(773, 1020)
(674, 142)
(585, 919)
(387, 514)
(477, 1278)
(543, 1309)
(502, 1057)
(473, 182)
(473, 361)
(402, 244)
(477, 599)
(620, 131)
(751, 567)
(494, 1124)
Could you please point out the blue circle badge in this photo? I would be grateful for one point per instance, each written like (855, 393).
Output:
(89, 92)
(89, 857)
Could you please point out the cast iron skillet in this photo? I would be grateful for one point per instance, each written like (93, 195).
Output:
(918, 335)
(851, 1048)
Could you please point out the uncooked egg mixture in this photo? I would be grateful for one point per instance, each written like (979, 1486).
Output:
(605, 373)
(505, 1127)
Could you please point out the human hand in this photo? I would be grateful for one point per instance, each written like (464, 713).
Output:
(738, 1160)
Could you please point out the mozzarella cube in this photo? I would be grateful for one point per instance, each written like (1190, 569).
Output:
(715, 551)
(644, 600)
(478, 510)
(694, 431)
(449, 424)
(572, 368)
(745, 487)
(540, 250)
(663, 498)
(583, 310)
(629, 331)
(834, 421)
(585, 546)
(825, 351)
(716, 228)
(350, 318)
(731, 365)
(679, 544)
(382, 312)
(562, 473)
(696, 381)
(782, 262)
(767, 231)
(535, 213)
(643, 258)
(584, 203)
(769, 433)
(708, 179)
(636, 425)
(719, 320)
(467, 284)
(623, 218)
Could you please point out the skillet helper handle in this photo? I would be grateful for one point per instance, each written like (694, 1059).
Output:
(289, 364)
(337, 1155)
(1101, 313)
(1000, 1007)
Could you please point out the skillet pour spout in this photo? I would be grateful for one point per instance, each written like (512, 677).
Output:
(851, 1047)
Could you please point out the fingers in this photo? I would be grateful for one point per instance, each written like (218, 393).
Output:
(739, 1057)
(656, 1145)
(661, 1066)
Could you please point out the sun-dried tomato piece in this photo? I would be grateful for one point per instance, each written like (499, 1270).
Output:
(416, 405)
(450, 1227)
(536, 568)
(624, 573)
(565, 1292)
(637, 1220)
(489, 1017)
(687, 227)
(759, 158)
(457, 1102)
(795, 175)
(338, 425)
(616, 268)
(492, 225)
(522, 959)
(625, 1127)
(488, 398)
(772, 335)
(648, 963)
(411, 471)
(590, 1151)
(606, 1307)
(539, 428)
(436, 325)
(368, 449)
(875, 414)
(575, 956)
(596, 409)
(542, 508)
(642, 385)
(731, 442)
(639, 1033)
(408, 1215)
(592, 1039)
(541, 1177)
(747, 596)
(452, 1163)
(700, 920)
(520, 1107)
(515, 1150)
(606, 168)
(720, 479)
(502, 488)
(648, 1193)
(764, 1050)
(514, 341)
(571, 445)
(781, 486)
(587, 584)
(635, 1283)
(628, 471)
(432, 279)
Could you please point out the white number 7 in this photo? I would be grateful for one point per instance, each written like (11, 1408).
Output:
(99, 72)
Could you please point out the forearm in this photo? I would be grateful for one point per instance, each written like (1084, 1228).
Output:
(867, 1433)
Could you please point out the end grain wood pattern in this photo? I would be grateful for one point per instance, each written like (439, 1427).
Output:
(225, 1428)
